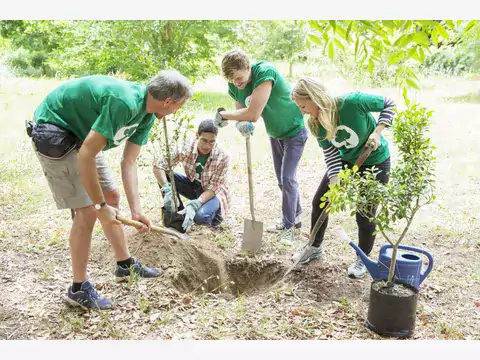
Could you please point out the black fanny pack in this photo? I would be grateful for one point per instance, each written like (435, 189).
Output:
(51, 140)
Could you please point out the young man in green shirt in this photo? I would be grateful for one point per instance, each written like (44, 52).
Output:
(100, 113)
(260, 90)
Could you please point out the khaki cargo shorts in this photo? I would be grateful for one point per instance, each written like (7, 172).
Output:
(65, 182)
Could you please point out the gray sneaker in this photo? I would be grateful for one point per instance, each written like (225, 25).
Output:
(287, 237)
(308, 254)
(281, 226)
(357, 269)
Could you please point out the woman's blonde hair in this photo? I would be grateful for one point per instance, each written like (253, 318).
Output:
(308, 88)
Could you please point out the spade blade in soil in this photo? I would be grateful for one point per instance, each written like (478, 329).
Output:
(252, 235)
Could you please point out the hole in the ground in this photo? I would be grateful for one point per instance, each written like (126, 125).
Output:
(203, 272)
(198, 266)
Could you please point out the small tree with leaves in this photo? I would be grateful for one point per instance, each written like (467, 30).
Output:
(411, 185)
(162, 145)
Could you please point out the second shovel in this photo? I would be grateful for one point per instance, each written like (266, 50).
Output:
(252, 229)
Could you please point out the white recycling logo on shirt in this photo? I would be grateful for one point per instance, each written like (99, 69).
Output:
(197, 175)
(124, 133)
(349, 143)
(248, 100)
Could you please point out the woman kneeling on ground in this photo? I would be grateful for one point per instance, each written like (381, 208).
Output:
(343, 127)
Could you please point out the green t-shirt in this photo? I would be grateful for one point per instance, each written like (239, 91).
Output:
(112, 107)
(199, 165)
(282, 117)
(356, 125)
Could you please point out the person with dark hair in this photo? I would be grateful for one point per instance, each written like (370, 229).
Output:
(205, 179)
(72, 127)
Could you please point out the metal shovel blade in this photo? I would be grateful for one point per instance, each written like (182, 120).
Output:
(252, 235)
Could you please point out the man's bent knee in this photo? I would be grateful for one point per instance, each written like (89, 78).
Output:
(112, 197)
(86, 215)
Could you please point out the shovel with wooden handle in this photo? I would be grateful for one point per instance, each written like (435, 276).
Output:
(361, 159)
(252, 229)
(160, 229)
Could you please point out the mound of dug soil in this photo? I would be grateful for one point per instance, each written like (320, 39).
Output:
(198, 265)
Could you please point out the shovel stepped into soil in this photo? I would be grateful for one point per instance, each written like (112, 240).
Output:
(252, 229)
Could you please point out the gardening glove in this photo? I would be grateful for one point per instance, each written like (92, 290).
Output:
(167, 196)
(219, 120)
(375, 138)
(245, 128)
(190, 211)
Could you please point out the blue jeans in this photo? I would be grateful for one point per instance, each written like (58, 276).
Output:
(286, 156)
(209, 213)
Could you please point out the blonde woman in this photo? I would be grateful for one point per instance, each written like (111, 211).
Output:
(343, 126)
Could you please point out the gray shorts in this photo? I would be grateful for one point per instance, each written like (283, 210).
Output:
(65, 182)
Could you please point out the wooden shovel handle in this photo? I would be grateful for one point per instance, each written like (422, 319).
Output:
(160, 229)
(250, 176)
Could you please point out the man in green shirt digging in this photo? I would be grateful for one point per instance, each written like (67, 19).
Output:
(73, 124)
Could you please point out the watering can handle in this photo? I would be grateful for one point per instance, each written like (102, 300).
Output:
(424, 274)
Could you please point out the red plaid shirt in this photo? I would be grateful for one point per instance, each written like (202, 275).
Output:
(214, 173)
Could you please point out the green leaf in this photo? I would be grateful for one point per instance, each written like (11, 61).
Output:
(389, 24)
(403, 40)
(471, 24)
(434, 35)
(411, 73)
(412, 83)
(441, 31)
(347, 35)
(333, 24)
(450, 24)
(357, 42)
(322, 205)
(428, 23)
(315, 39)
(413, 53)
(371, 66)
(421, 54)
(326, 37)
(341, 32)
(308, 43)
(421, 38)
(339, 44)
(396, 57)
(314, 24)
(331, 50)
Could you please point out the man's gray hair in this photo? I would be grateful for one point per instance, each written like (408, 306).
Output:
(170, 84)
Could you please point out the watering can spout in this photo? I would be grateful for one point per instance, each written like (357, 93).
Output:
(373, 267)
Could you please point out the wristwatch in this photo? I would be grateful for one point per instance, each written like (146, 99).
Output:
(99, 206)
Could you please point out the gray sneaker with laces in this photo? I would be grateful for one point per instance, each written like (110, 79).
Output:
(309, 254)
(358, 269)
(287, 237)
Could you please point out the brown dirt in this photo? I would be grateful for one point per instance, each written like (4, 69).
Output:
(196, 265)
(317, 301)
(396, 290)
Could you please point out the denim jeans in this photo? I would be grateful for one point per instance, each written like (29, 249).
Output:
(209, 213)
(286, 156)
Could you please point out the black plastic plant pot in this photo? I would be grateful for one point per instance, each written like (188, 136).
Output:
(392, 309)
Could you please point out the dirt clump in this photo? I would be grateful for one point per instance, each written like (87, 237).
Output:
(198, 265)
